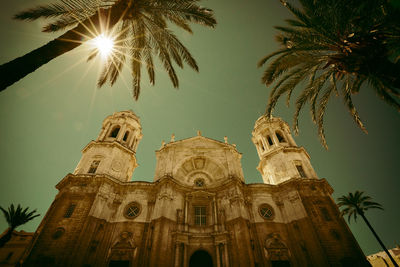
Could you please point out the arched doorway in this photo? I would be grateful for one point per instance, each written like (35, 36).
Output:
(200, 258)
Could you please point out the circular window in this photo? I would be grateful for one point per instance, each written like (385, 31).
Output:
(199, 182)
(58, 233)
(266, 211)
(132, 210)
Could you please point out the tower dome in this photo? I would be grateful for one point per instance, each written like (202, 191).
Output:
(280, 157)
(113, 152)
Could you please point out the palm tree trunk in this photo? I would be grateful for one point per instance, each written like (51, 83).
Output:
(379, 240)
(6, 237)
(20, 67)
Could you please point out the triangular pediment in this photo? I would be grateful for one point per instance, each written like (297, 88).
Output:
(201, 142)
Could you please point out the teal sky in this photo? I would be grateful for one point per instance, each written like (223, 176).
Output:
(49, 116)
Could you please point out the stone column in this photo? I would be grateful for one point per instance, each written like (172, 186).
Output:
(274, 138)
(218, 256)
(132, 138)
(177, 256)
(226, 257)
(121, 133)
(185, 263)
(289, 138)
(186, 215)
(215, 215)
(264, 141)
(104, 131)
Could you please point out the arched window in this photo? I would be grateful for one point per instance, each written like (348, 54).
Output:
(280, 137)
(126, 136)
(114, 132)
(269, 139)
(93, 166)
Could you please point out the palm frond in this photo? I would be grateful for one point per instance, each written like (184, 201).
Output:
(356, 204)
(346, 90)
(65, 7)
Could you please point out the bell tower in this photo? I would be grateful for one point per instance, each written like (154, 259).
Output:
(280, 158)
(114, 151)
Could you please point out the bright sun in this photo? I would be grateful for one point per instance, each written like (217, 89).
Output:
(104, 44)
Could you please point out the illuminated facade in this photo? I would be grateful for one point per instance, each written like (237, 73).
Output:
(198, 211)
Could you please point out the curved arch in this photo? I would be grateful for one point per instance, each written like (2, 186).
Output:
(200, 258)
(189, 169)
(281, 138)
(114, 132)
(126, 135)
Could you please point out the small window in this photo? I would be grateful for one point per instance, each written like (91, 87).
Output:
(270, 140)
(58, 233)
(69, 211)
(132, 210)
(94, 166)
(199, 182)
(325, 214)
(200, 216)
(125, 136)
(114, 132)
(300, 169)
(266, 211)
(280, 137)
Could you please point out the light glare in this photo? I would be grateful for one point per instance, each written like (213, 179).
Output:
(104, 44)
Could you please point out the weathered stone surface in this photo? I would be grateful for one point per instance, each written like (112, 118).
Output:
(198, 201)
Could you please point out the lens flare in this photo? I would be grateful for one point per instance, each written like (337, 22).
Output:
(104, 44)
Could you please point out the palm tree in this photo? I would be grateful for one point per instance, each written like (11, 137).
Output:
(334, 47)
(15, 218)
(139, 27)
(357, 204)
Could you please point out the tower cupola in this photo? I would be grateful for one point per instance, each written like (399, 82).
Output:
(113, 152)
(122, 127)
(280, 157)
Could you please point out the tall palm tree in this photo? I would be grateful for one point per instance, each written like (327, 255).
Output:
(140, 29)
(357, 204)
(334, 47)
(15, 218)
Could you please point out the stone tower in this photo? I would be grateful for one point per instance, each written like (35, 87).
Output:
(113, 152)
(198, 211)
(280, 158)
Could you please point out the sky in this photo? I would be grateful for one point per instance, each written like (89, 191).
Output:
(49, 116)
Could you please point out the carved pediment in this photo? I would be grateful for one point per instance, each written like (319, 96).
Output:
(200, 194)
(275, 249)
(199, 167)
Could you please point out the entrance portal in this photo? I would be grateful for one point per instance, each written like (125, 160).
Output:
(201, 258)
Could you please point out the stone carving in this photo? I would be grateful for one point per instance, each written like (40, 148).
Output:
(166, 193)
(275, 249)
(124, 248)
(116, 165)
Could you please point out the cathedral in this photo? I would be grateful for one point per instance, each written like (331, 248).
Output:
(198, 211)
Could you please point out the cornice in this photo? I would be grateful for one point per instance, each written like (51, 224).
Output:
(175, 143)
(107, 143)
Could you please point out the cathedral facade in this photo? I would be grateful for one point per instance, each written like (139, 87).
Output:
(198, 211)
